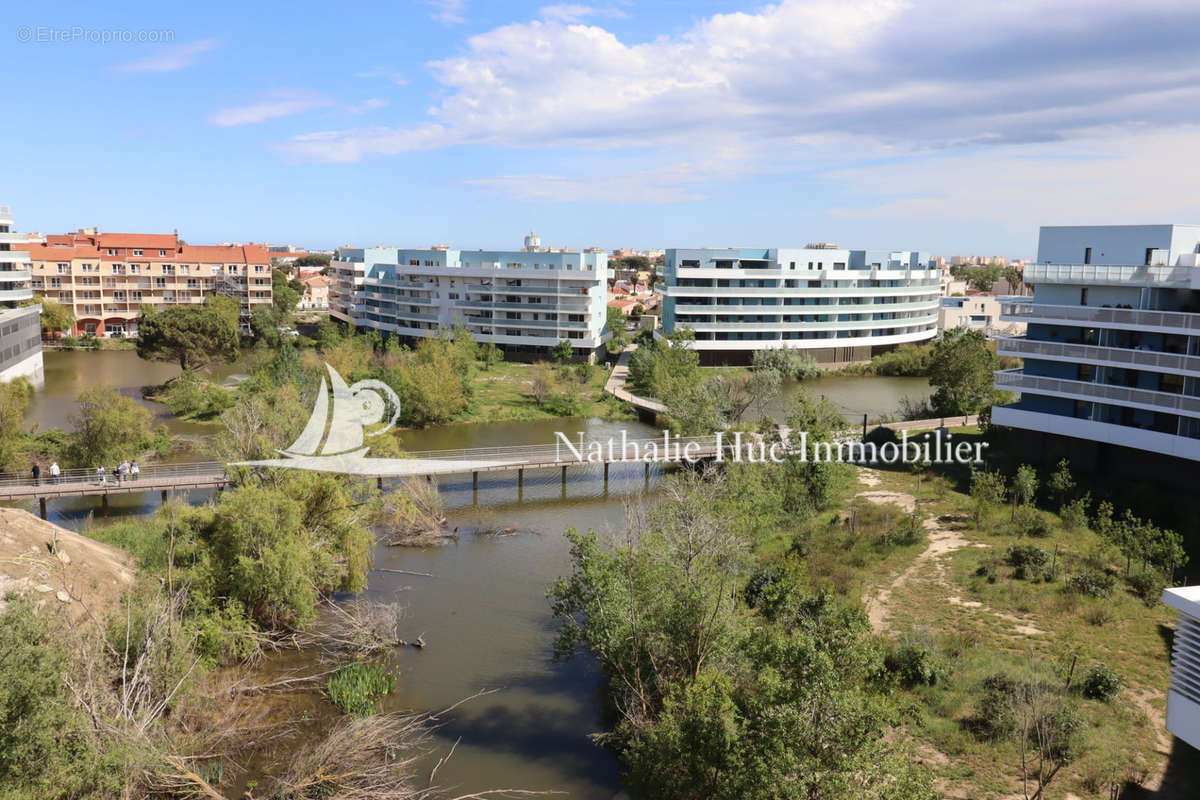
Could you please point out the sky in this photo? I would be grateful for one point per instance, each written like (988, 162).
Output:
(949, 126)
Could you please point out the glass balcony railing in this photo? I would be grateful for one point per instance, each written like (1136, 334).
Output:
(1108, 273)
(1019, 310)
(1017, 380)
(1117, 356)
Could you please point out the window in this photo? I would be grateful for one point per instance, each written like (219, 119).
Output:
(1083, 296)
(64, 269)
(162, 253)
(137, 252)
(1149, 255)
(1087, 255)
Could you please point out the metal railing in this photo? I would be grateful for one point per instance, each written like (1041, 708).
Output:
(1084, 390)
(150, 473)
(1123, 356)
(1107, 273)
(1180, 320)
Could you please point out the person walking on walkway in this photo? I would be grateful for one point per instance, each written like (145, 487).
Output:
(54, 472)
(100, 476)
(135, 470)
(123, 471)
(37, 472)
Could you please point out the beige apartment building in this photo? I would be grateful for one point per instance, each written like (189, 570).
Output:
(106, 278)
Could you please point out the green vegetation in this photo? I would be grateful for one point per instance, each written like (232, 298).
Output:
(190, 336)
(995, 659)
(109, 428)
(56, 318)
(724, 691)
(358, 688)
(961, 371)
(794, 365)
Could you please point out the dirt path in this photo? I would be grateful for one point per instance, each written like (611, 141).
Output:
(941, 542)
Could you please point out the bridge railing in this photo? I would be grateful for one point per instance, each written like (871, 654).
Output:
(148, 472)
(554, 449)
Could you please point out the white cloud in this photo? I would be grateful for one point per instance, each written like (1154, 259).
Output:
(394, 76)
(350, 146)
(370, 104)
(574, 12)
(1126, 176)
(448, 12)
(272, 108)
(171, 58)
(824, 85)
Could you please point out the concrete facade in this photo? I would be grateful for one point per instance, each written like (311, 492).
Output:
(519, 300)
(1112, 349)
(840, 305)
(20, 325)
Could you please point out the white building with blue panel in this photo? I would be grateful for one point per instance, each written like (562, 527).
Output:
(20, 325)
(520, 300)
(838, 305)
(1112, 347)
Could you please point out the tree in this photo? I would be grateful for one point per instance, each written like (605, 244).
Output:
(563, 352)
(1062, 482)
(285, 295)
(987, 490)
(312, 260)
(108, 428)
(960, 370)
(541, 383)
(56, 318)
(227, 307)
(615, 323)
(15, 399)
(1024, 485)
(192, 337)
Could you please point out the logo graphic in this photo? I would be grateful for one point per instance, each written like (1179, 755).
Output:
(332, 441)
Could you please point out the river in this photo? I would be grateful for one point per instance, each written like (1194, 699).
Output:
(484, 615)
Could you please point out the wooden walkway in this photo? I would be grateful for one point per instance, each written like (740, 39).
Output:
(615, 385)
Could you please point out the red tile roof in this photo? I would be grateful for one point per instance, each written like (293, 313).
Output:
(146, 241)
(61, 252)
(222, 254)
(316, 280)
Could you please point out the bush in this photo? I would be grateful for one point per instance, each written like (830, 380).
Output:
(357, 688)
(1026, 560)
(914, 665)
(1075, 514)
(1028, 521)
(1148, 586)
(1092, 583)
(1101, 682)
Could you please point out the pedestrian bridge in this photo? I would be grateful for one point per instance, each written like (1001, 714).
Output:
(169, 478)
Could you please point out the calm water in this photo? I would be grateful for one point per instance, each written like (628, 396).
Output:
(484, 616)
(855, 395)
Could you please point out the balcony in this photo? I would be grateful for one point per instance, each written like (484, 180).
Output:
(1107, 356)
(14, 275)
(830, 308)
(1017, 380)
(1091, 430)
(23, 293)
(801, 291)
(1162, 321)
(14, 256)
(1109, 274)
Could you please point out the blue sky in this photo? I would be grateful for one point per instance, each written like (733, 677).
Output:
(926, 124)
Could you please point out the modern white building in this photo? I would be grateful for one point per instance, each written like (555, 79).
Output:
(20, 326)
(979, 312)
(839, 305)
(1183, 696)
(522, 301)
(1112, 350)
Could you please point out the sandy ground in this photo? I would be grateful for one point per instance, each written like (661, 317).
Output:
(60, 569)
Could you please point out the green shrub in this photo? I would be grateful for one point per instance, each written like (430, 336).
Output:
(1101, 682)
(914, 665)
(357, 688)
(1028, 521)
(1026, 560)
(1074, 514)
(1148, 586)
(1092, 583)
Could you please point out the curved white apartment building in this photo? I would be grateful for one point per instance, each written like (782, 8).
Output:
(522, 301)
(839, 305)
(20, 326)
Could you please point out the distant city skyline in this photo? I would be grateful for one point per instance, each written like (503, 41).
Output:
(657, 124)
